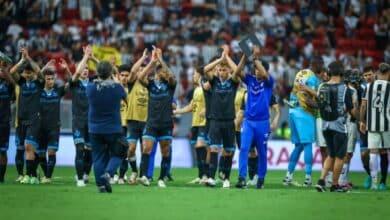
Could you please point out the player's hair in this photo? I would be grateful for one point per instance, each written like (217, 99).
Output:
(368, 68)
(124, 67)
(104, 70)
(200, 70)
(336, 68)
(384, 68)
(26, 65)
(317, 64)
(48, 72)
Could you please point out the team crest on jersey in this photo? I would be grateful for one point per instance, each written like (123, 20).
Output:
(256, 88)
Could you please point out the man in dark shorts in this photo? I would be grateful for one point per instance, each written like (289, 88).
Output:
(7, 87)
(26, 74)
(77, 86)
(334, 102)
(159, 123)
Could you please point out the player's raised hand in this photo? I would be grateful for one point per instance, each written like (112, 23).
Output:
(63, 64)
(50, 64)
(23, 50)
(145, 53)
(226, 49)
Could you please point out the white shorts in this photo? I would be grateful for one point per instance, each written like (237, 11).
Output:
(352, 136)
(320, 140)
(379, 140)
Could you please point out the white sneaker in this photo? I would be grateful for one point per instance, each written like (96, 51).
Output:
(86, 178)
(203, 180)
(112, 182)
(211, 182)
(80, 183)
(226, 184)
(133, 178)
(195, 181)
(287, 181)
(125, 177)
(251, 182)
(116, 178)
(307, 182)
(144, 181)
(161, 184)
(19, 179)
(121, 181)
(45, 180)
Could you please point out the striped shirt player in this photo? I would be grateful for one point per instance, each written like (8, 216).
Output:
(376, 109)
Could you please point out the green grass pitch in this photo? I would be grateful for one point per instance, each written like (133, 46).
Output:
(63, 200)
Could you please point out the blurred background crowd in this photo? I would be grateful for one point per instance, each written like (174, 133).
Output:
(190, 32)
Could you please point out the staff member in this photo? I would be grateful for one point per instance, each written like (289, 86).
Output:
(109, 146)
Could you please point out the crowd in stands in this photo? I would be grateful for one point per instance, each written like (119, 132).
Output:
(191, 31)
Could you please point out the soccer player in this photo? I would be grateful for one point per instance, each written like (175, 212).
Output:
(7, 87)
(352, 78)
(159, 123)
(368, 77)
(26, 74)
(302, 120)
(77, 86)
(123, 78)
(109, 145)
(256, 125)
(375, 118)
(222, 113)
(198, 133)
(50, 98)
(334, 102)
(137, 111)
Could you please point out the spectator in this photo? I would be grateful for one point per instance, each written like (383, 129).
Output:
(269, 12)
(350, 22)
(14, 29)
(381, 29)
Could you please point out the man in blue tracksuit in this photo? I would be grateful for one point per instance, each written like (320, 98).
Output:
(109, 146)
(256, 125)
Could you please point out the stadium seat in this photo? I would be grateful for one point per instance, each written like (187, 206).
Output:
(371, 45)
(339, 22)
(340, 32)
(366, 33)
(369, 22)
(318, 43)
(358, 44)
(344, 43)
(375, 54)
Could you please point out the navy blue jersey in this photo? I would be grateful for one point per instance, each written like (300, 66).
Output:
(50, 106)
(28, 104)
(160, 103)
(6, 93)
(78, 89)
(221, 100)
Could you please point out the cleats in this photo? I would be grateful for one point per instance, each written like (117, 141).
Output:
(161, 184)
(19, 179)
(86, 178)
(34, 181)
(144, 181)
(320, 186)
(338, 188)
(382, 187)
(45, 180)
(121, 181)
(241, 183)
(80, 183)
(106, 182)
(374, 187)
(226, 184)
(211, 182)
(25, 180)
(367, 182)
(260, 184)
(287, 181)
(307, 182)
(195, 181)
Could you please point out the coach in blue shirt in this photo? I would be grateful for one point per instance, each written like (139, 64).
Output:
(256, 125)
(109, 145)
